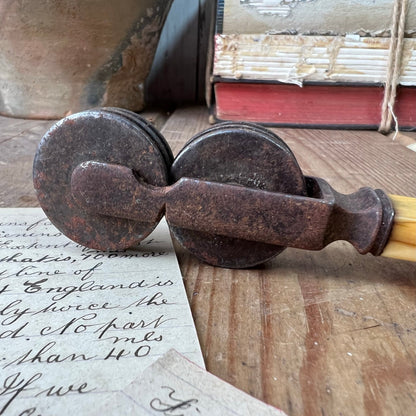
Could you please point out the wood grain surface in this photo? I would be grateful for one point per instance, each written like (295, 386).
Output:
(313, 333)
(18, 142)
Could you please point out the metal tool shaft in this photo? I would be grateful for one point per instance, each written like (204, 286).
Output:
(363, 218)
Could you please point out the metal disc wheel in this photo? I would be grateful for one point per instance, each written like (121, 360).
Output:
(106, 136)
(240, 154)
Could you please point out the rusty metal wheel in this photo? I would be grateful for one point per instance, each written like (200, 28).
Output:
(148, 127)
(241, 154)
(101, 135)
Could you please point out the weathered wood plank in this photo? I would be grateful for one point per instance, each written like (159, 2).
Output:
(328, 332)
(351, 159)
(183, 125)
(407, 139)
(18, 142)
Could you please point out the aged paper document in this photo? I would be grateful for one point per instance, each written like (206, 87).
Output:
(78, 325)
(173, 386)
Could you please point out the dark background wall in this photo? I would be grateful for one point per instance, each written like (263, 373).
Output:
(179, 69)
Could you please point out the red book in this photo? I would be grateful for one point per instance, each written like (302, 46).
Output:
(320, 106)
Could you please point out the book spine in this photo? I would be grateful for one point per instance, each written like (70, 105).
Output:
(315, 106)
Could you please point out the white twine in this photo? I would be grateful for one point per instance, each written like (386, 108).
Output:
(394, 67)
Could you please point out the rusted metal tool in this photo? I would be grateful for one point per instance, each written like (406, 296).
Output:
(234, 196)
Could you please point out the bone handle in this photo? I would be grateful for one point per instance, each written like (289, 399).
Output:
(402, 241)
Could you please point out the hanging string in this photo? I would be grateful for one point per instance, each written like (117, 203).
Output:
(394, 66)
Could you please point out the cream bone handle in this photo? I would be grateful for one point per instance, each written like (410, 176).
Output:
(402, 241)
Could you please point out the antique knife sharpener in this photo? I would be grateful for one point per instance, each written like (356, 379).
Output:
(234, 196)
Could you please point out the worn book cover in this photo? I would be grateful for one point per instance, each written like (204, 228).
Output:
(310, 41)
(280, 56)
(310, 17)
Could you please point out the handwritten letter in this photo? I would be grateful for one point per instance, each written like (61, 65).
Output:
(173, 386)
(78, 325)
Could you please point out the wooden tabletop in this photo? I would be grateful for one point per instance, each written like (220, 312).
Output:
(313, 333)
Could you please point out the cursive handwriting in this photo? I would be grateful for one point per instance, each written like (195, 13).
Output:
(12, 245)
(75, 320)
(61, 292)
(148, 337)
(13, 311)
(46, 258)
(173, 406)
(46, 355)
(15, 385)
(60, 391)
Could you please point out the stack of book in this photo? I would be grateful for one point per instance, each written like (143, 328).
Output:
(313, 63)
